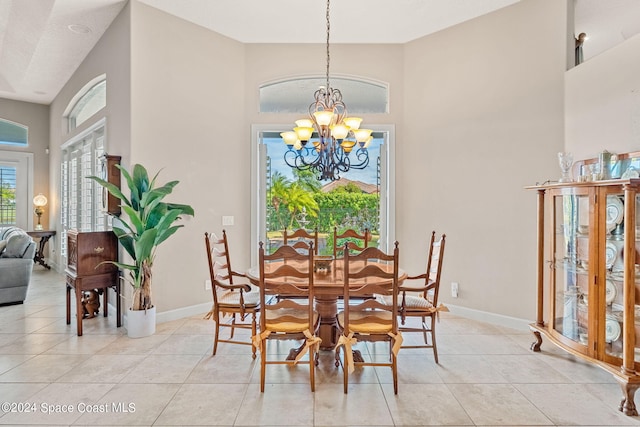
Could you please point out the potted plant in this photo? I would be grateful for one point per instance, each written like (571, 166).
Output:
(150, 222)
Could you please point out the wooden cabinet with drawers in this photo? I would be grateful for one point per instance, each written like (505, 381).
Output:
(86, 270)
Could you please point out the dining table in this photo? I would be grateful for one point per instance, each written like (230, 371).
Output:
(328, 286)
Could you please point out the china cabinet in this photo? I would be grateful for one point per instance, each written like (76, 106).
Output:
(588, 262)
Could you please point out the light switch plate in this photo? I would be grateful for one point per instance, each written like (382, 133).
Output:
(227, 220)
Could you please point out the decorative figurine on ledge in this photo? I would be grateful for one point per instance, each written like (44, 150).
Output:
(566, 161)
(90, 304)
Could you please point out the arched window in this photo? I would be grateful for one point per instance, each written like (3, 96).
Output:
(293, 95)
(88, 101)
(12, 133)
(16, 174)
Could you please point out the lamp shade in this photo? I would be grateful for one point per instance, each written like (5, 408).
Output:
(362, 134)
(40, 200)
(303, 133)
(323, 117)
(353, 122)
(339, 131)
(289, 138)
(304, 123)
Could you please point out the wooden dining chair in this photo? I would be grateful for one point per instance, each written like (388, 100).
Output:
(300, 238)
(354, 241)
(418, 297)
(231, 297)
(369, 272)
(287, 272)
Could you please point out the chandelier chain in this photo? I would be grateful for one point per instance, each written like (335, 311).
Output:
(328, 31)
(335, 135)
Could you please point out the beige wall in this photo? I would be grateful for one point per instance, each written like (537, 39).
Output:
(110, 56)
(188, 119)
(36, 118)
(483, 118)
(602, 102)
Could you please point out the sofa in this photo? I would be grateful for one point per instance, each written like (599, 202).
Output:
(17, 250)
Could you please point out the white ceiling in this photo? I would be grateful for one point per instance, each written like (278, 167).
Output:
(38, 52)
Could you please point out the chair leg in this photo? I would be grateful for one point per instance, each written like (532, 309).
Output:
(216, 334)
(233, 324)
(394, 371)
(424, 329)
(345, 377)
(312, 369)
(433, 339)
(253, 333)
(263, 364)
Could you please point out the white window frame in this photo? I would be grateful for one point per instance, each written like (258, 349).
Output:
(23, 162)
(15, 143)
(79, 97)
(81, 198)
(258, 186)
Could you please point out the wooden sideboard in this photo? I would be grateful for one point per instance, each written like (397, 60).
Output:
(87, 270)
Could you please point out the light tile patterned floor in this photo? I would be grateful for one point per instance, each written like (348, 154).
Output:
(486, 376)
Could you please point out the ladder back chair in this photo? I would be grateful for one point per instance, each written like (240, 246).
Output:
(369, 272)
(351, 239)
(420, 300)
(231, 297)
(300, 239)
(287, 272)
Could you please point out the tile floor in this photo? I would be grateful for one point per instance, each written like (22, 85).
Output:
(486, 376)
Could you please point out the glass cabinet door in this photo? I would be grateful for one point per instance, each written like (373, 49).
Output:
(572, 269)
(614, 273)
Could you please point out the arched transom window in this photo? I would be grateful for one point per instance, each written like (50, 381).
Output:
(293, 95)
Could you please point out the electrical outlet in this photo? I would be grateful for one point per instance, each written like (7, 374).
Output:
(227, 220)
(207, 285)
(454, 289)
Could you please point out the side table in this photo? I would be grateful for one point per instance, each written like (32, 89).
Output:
(89, 267)
(44, 237)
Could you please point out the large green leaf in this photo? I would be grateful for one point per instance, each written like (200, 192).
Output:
(145, 245)
(132, 187)
(140, 180)
(155, 215)
(126, 240)
(165, 223)
(111, 188)
(184, 209)
(167, 233)
(135, 219)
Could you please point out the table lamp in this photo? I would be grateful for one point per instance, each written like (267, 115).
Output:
(39, 201)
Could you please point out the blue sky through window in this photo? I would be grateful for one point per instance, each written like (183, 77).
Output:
(276, 149)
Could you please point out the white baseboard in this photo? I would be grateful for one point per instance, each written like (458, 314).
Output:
(493, 318)
(469, 313)
(179, 313)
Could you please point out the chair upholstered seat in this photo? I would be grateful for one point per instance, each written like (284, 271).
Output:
(368, 322)
(232, 298)
(411, 302)
(288, 320)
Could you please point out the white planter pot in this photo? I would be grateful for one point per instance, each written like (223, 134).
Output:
(141, 323)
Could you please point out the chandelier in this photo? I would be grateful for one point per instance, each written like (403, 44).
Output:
(336, 135)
